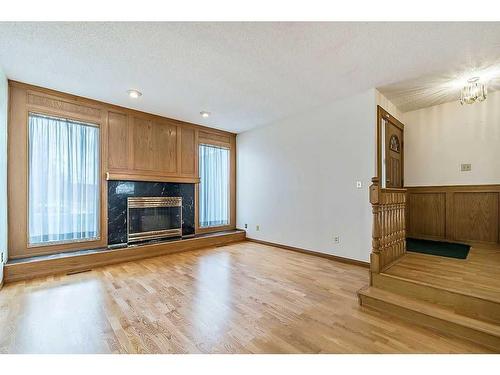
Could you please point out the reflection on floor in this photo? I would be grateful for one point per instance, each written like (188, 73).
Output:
(241, 298)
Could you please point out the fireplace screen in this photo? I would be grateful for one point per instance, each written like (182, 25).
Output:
(151, 218)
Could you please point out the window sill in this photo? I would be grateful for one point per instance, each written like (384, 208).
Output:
(219, 228)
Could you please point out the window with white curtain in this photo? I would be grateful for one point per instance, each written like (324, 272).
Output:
(214, 186)
(63, 180)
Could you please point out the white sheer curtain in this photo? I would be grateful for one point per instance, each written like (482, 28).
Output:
(214, 186)
(63, 180)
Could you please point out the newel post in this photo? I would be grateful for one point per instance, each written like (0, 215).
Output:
(376, 230)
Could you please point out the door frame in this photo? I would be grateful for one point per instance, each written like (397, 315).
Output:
(382, 114)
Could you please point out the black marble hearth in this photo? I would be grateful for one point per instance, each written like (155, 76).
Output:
(119, 191)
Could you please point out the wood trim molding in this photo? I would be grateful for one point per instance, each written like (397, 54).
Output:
(485, 188)
(17, 171)
(38, 101)
(137, 177)
(30, 269)
(311, 252)
(202, 139)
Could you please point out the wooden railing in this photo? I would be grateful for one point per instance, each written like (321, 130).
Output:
(388, 232)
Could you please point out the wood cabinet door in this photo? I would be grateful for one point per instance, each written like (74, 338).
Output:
(189, 152)
(154, 146)
(165, 148)
(117, 141)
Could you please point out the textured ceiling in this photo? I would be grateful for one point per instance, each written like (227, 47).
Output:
(245, 74)
(438, 88)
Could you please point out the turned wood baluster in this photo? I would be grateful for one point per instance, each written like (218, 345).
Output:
(388, 237)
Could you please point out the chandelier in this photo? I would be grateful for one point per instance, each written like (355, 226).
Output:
(474, 91)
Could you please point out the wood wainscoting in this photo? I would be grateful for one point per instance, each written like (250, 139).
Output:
(467, 214)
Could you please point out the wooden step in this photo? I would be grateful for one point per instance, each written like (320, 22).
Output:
(432, 316)
(460, 302)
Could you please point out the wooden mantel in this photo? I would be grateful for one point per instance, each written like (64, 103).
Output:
(139, 177)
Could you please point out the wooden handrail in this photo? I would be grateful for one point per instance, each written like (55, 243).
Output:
(388, 232)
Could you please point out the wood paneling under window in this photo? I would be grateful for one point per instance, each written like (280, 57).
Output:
(467, 214)
(134, 146)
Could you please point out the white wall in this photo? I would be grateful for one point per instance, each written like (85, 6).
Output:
(3, 169)
(296, 178)
(440, 138)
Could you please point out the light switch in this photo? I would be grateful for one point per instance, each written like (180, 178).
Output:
(359, 184)
(465, 167)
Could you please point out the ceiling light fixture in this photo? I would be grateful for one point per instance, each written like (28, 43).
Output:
(473, 92)
(205, 114)
(134, 94)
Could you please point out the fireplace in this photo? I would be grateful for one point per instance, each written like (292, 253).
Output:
(150, 218)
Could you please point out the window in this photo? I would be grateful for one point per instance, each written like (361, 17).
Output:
(214, 186)
(63, 180)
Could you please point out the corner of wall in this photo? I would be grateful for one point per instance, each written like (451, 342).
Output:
(3, 169)
(386, 104)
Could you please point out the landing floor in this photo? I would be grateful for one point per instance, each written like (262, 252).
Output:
(478, 275)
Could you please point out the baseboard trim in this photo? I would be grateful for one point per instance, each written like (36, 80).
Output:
(311, 252)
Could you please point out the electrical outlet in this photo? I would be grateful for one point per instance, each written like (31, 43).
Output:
(336, 239)
(246, 226)
(465, 167)
(257, 228)
(359, 184)
(1, 258)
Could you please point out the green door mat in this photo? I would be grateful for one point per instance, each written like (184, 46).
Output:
(443, 249)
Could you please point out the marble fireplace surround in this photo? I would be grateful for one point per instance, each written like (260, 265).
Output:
(119, 191)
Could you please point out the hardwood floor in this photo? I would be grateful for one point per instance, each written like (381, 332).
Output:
(240, 298)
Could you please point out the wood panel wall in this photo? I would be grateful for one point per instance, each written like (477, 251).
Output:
(134, 146)
(468, 214)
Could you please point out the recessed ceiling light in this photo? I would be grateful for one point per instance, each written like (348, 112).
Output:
(204, 114)
(134, 94)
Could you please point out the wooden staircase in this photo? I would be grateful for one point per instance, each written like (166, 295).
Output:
(448, 311)
(450, 308)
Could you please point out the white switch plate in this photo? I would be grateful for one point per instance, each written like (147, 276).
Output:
(359, 184)
(465, 167)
